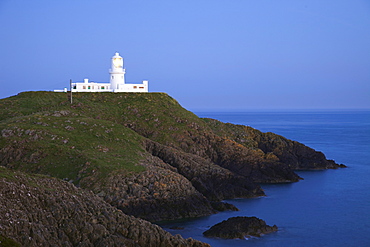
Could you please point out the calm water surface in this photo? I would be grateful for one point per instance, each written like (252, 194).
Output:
(327, 208)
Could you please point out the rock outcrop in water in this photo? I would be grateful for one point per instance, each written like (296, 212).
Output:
(143, 154)
(291, 154)
(240, 227)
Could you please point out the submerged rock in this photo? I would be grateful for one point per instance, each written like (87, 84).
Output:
(240, 227)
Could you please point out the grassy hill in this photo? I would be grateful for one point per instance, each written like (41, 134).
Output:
(92, 130)
(44, 134)
(143, 152)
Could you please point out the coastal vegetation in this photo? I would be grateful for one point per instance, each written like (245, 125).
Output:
(137, 154)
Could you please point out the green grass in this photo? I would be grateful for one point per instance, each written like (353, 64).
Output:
(99, 133)
(154, 115)
(72, 147)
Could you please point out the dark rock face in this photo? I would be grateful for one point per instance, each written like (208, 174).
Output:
(294, 154)
(240, 227)
(253, 163)
(42, 211)
(213, 181)
(224, 206)
(156, 194)
(278, 151)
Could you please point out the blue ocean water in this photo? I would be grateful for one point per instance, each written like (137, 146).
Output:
(327, 208)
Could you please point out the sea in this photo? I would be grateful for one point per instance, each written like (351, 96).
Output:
(328, 207)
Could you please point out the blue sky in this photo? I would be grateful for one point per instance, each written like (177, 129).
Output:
(208, 55)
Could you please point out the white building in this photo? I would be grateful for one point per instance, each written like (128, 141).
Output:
(117, 81)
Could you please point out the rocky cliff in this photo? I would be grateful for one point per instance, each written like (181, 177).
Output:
(143, 153)
(42, 211)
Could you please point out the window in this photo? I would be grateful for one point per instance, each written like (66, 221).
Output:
(84, 87)
(135, 86)
(88, 87)
(74, 87)
(141, 87)
(102, 87)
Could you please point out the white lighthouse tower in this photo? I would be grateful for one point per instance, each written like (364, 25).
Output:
(117, 81)
(117, 73)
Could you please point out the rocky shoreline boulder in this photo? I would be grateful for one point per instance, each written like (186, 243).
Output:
(240, 227)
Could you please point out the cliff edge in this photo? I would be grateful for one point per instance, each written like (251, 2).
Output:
(143, 153)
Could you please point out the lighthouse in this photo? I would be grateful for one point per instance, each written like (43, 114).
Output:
(116, 84)
(117, 73)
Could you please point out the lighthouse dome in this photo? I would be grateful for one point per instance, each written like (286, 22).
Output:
(117, 62)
